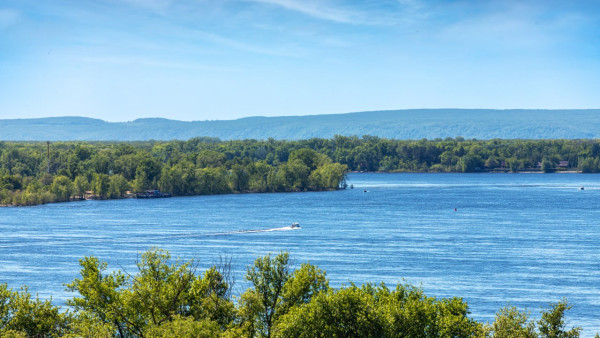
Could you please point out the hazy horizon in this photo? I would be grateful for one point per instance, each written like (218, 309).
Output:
(436, 110)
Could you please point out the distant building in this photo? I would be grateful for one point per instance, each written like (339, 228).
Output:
(89, 195)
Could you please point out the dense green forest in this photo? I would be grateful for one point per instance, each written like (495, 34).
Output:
(30, 174)
(171, 298)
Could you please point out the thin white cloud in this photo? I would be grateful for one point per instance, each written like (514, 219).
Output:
(147, 62)
(510, 26)
(370, 13)
(157, 6)
(211, 37)
(317, 9)
(8, 17)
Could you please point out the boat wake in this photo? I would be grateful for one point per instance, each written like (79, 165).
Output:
(233, 232)
(59, 240)
(254, 231)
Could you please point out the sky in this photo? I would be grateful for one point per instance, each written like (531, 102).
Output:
(119, 60)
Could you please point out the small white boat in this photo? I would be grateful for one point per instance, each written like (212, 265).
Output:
(295, 225)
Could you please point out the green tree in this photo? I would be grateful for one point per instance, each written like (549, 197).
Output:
(22, 316)
(370, 311)
(117, 186)
(492, 163)
(85, 324)
(268, 277)
(99, 295)
(147, 174)
(588, 165)
(101, 185)
(162, 291)
(239, 178)
(259, 173)
(513, 164)
(552, 324)
(300, 288)
(412, 313)
(141, 182)
(158, 291)
(185, 327)
(10, 182)
(547, 166)
(292, 176)
(62, 188)
(80, 185)
(328, 176)
(469, 163)
(209, 297)
(211, 181)
(210, 159)
(347, 312)
(179, 179)
(309, 157)
(510, 322)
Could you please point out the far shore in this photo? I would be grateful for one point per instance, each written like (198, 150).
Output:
(471, 172)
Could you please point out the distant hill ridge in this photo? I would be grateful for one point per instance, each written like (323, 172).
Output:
(398, 124)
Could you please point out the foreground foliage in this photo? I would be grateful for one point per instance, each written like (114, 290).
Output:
(169, 298)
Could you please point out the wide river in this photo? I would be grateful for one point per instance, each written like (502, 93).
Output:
(493, 239)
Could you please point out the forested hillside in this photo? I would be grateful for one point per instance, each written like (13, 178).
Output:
(483, 124)
(35, 172)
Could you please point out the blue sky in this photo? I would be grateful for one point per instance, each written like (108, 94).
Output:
(119, 60)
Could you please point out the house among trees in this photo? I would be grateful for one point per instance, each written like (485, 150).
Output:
(561, 164)
(89, 195)
(549, 164)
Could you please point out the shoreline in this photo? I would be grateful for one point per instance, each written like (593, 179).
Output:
(353, 172)
(470, 172)
(173, 196)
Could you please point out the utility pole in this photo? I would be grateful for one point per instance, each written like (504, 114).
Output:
(48, 144)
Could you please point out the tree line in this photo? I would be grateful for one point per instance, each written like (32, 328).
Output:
(34, 173)
(171, 298)
(29, 174)
(371, 153)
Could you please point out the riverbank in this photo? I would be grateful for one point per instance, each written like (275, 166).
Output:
(164, 195)
(127, 195)
(485, 171)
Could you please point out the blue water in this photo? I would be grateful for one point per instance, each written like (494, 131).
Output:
(523, 239)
